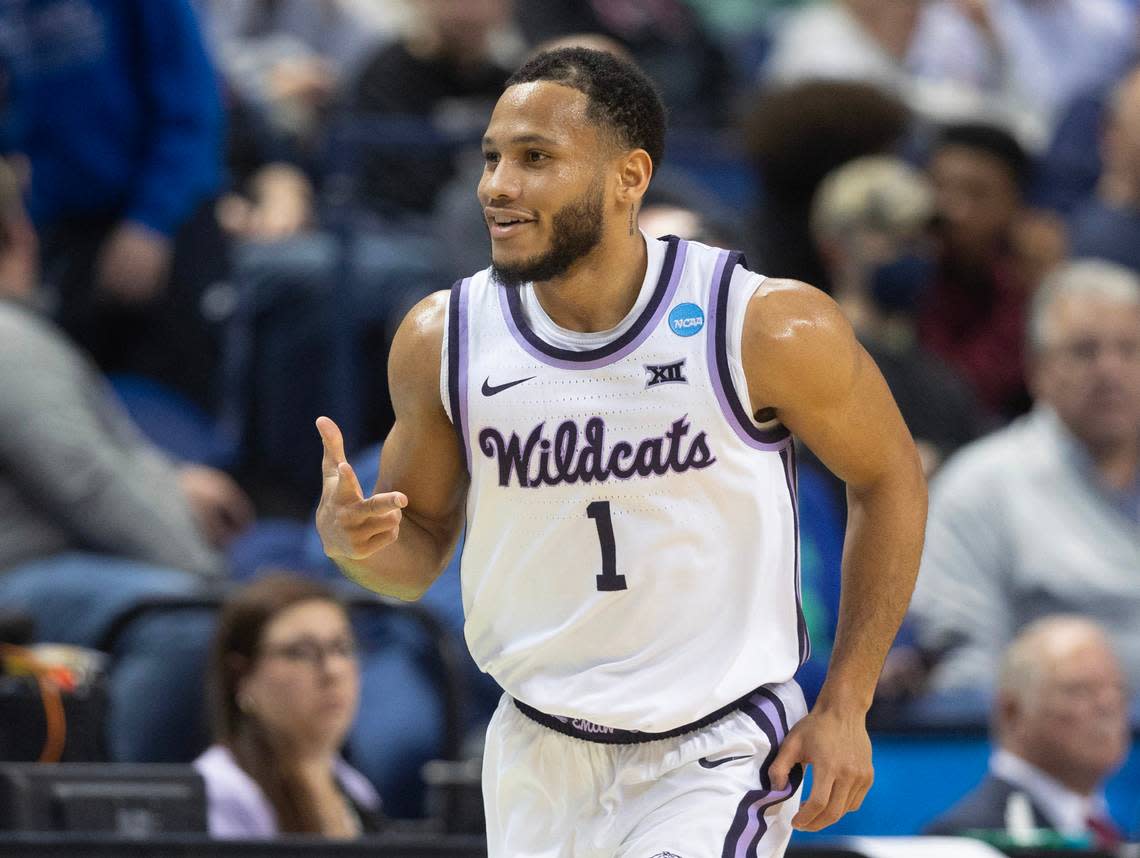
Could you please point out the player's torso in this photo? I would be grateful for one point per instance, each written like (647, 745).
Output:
(630, 554)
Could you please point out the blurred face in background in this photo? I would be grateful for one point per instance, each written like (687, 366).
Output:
(304, 685)
(1071, 719)
(463, 25)
(891, 22)
(1121, 145)
(977, 200)
(1088, 369)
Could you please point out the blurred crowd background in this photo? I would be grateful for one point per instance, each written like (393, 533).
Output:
(214, 213)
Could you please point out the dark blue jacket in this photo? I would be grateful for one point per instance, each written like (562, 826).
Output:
(983, 809)
(116, 105)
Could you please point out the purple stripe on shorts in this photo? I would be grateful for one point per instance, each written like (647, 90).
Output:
(717, 349)
(612, 352)
(749, 825)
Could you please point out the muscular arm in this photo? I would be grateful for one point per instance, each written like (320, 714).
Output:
(801, 359)
(397, 541)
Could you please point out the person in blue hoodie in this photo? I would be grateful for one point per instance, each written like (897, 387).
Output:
(116, 108)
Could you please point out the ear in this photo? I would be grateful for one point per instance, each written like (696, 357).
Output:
(1007, 713)
(634, 172)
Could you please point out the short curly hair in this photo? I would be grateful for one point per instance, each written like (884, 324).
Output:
(621, 96)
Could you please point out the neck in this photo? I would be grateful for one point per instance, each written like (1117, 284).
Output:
(600, 289)
(1080, 782)
(1117, 463)
(17, 279)
(315, 765)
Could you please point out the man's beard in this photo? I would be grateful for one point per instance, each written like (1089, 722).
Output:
(576, 228)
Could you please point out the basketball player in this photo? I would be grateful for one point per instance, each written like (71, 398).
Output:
(624, 408)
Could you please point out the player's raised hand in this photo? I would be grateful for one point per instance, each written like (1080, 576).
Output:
(838, 749)
(352, 526)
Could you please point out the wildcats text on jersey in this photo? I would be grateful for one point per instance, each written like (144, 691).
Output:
(540, 461)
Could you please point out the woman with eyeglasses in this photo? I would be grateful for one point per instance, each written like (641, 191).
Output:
(284, 686)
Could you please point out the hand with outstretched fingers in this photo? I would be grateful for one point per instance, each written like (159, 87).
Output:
(352, 526)
(838, 749)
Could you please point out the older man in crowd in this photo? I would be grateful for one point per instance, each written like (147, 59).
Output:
(1060, 728)
(1043, 516)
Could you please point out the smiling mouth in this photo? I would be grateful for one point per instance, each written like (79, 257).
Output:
(506, 227)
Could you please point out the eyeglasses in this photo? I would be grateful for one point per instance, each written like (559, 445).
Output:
(311, 651)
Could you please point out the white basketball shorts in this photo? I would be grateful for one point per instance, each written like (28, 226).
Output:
(572, 789)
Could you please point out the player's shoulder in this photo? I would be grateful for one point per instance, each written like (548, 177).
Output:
(784, 313)
(425, 323)
(417, 347)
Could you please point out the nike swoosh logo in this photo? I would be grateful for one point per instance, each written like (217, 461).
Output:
(706, 763)
(491, 389)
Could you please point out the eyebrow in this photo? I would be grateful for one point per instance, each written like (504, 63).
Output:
(523, 139)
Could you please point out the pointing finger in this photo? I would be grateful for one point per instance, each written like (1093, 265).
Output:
(333, 443)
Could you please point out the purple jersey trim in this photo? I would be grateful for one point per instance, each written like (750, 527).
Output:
(639, 332)
(457, 356)
(788, 457)
(734, 411)
(749, 825)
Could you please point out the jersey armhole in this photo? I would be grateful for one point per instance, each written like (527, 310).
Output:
(732, 288)
(444, 374)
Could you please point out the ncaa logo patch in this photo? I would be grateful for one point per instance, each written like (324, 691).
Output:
(685, 320)
(666, 855)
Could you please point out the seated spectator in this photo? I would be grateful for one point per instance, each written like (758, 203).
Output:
(974, 315)
(666, 38)
(871, 221)
(873, 41)
(94, 518)
(116, 106)
(1009, 48)
(1043, 516)
(1107, 224)
(796, 135)
(1060, 726)
(284, 687)
(447, 71)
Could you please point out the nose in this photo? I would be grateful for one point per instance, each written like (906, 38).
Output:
(499, 183)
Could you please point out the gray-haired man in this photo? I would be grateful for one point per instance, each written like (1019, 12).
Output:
(1044, 516)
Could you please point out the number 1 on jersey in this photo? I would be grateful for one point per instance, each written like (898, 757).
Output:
(609, 580)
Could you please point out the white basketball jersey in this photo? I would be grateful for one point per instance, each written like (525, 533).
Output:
(631, 554)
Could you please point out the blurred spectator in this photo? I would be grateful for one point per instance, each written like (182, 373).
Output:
(864, 40)
(93, 517)
(872, 41)
(287, 59)
(796, 135)
(284, 687)
(286, 64)
(1060, 726)
(871, 220)
(1040, 54)
(1107, 224)
(77, 475)
(990, 257)
(115, 104)
(446, 72)
(1044, 516)
(667, 38)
